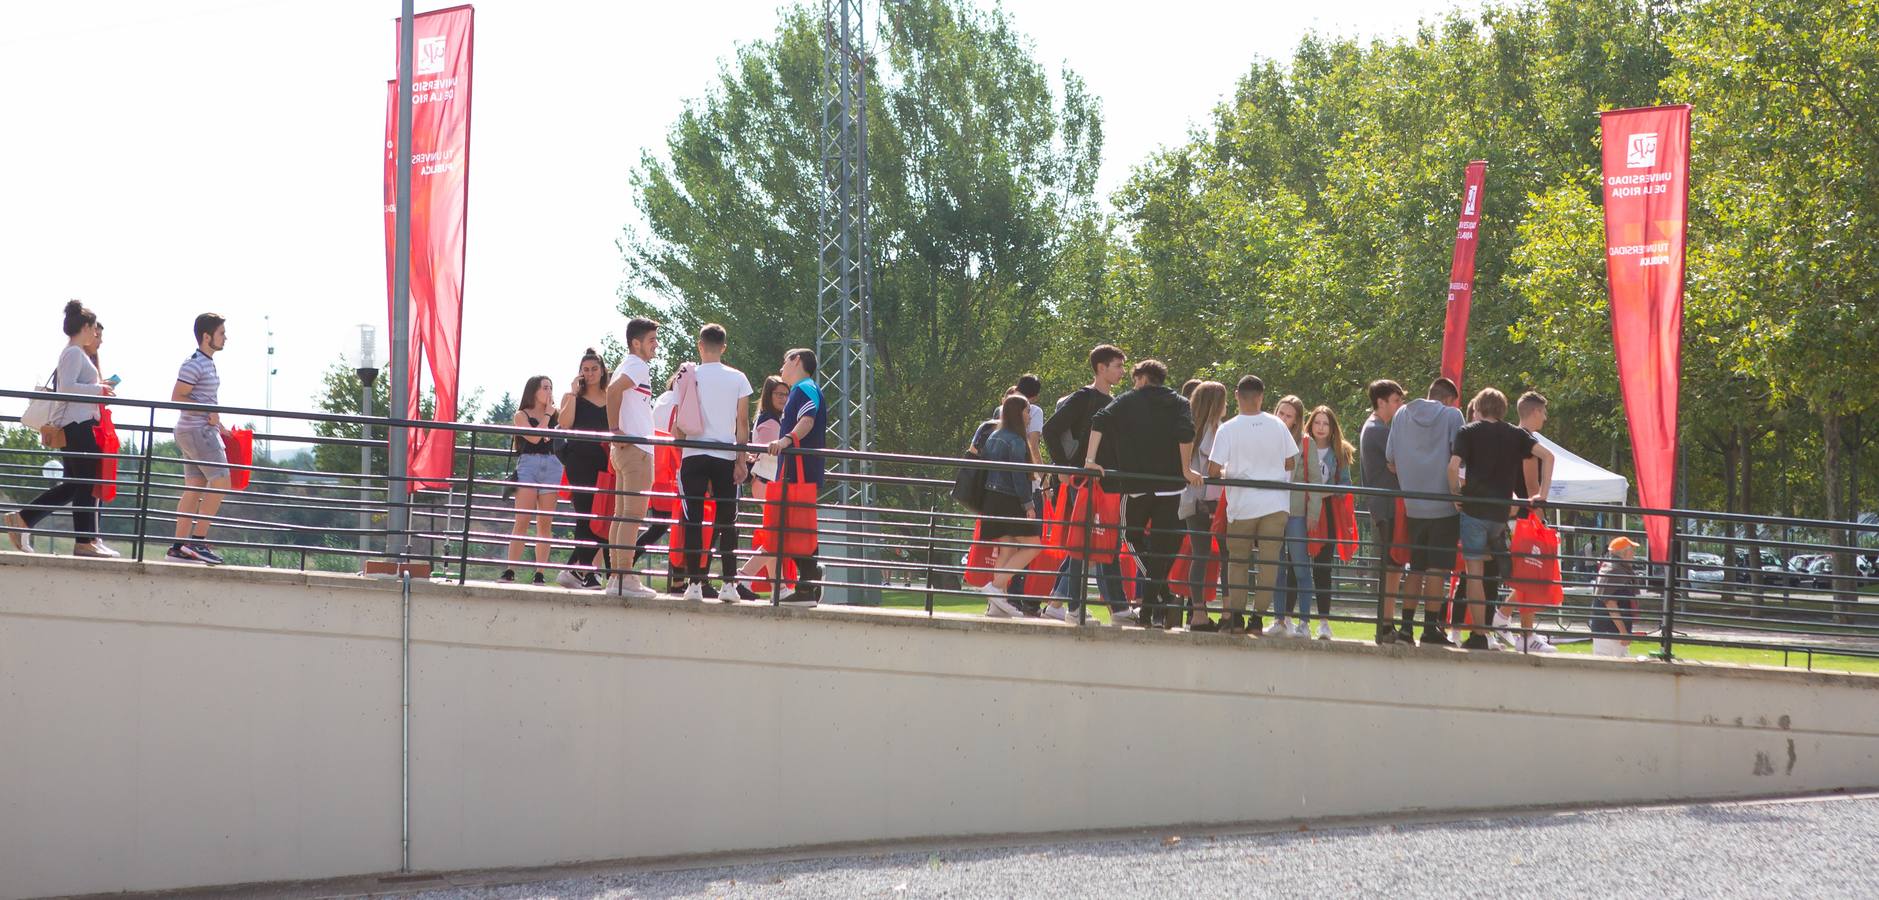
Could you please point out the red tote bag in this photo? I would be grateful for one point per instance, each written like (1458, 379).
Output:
(979, 559)
(1105, 537)
(603, 505)
(105, 432)
(789, 509)
(239, 444)
(1535, 553)
(1399, 536)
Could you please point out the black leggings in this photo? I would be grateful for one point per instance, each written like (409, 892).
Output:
(1154, 531)
(582, 472)
(701, 477)
(78, 488)
(1323, 569)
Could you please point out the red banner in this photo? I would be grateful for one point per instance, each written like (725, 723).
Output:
(1647, 190)
(440, 178)
(1461, 274)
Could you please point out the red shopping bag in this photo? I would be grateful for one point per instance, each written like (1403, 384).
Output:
(663, 500)
(1535, 553)
(760, 546)
(1339, 512)
(603, 505)
(789, 509)
(1105, 536)
(1180, 576)
(979, 559)
(239, 444)
(1039, 579)
(1399, 536)
(676, 546)
(105, 432)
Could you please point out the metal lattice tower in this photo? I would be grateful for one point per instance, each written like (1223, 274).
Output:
(843, 296)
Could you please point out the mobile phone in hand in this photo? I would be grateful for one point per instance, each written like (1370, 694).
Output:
(113, 381)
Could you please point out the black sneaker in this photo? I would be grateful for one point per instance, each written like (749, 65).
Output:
(207, 554)
(1203, 625)
(1436, 639)
(180, 553)
(1476, 641)
(1385, 638)
(804, 597)
(1406, 636)
(1230, 624)
(539, 579)
(591, 581)
(747, 595)
(508, 576)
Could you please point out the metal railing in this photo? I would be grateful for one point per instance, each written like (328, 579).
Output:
(915, 547)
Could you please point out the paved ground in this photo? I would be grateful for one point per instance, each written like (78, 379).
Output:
(1809, 848)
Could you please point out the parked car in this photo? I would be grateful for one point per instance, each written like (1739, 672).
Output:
(1702, 569)
(1820, 572)
(1868, 565)
(1773, 572)
(1797, 568)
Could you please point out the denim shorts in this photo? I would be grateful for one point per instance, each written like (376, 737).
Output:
(540, 469)
(1482, 538)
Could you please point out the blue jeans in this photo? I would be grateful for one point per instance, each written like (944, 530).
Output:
(1296, 591)
(1108, 584)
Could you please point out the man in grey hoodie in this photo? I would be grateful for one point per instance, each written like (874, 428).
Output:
(1422, 438)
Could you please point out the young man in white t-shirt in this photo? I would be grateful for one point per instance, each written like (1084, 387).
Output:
(710, 472)
(629, 412)
(1254, 446)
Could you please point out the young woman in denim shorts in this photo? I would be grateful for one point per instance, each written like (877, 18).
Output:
(537, 475)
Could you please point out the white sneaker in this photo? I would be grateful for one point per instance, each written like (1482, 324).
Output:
(571, 581)
(1122, 619)
(996, 605)
(1279, 628)
(1060, 613)
(1539, 644)
(95, 550)
(695, 593)
(1301, 630)
(22, 538)
(1496, 641)
(630, 587)
(728, 593)
(1324, 631)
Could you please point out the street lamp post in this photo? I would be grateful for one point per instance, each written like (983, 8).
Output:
(368, 373)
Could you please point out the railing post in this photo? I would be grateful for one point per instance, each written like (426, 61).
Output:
(143, 487)
(1084, 565)
(469, 509)
(780, 538)
(1668, 618)
(932, 528)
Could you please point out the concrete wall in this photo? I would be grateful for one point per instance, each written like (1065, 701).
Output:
(166, 727)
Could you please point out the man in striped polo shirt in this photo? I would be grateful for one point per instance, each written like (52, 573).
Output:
(199, 439)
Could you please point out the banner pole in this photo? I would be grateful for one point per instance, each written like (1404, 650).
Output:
(400, 518)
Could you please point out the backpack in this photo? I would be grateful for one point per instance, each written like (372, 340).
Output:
(969, 481)
(688, 413)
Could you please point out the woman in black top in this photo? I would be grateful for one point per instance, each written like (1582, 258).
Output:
(584, 408)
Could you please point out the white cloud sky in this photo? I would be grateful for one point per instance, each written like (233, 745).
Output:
(160, 160)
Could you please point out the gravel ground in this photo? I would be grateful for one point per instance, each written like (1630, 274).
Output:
(1826, 848)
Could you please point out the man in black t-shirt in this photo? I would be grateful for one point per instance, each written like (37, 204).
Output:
(1066, 437)
(1496, 456)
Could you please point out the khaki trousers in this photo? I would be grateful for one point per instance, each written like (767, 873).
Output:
(632, 471)
(1256, 542)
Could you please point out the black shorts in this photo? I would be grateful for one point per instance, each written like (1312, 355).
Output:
(1432, 543)
(1381, 531)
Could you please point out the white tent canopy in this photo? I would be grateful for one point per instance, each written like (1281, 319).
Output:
(1575, 480)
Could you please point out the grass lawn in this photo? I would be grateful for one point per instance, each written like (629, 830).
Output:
(1363, 631)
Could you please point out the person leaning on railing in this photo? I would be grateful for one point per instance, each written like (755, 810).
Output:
(77, 373)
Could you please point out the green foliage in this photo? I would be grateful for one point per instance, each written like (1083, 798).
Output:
(983, 171)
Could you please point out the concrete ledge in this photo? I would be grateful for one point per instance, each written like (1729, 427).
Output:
(179, 726)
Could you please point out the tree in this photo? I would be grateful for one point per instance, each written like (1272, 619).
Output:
(983, 173)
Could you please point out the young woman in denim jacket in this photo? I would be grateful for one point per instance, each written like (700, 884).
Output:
(1010, 513)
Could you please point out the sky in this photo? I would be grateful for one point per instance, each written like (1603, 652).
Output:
(162, 159)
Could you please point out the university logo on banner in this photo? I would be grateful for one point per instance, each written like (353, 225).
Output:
(1646, 156)
(1641, 151)
(430, 58)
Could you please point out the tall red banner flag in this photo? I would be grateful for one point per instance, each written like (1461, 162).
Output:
(1647, 192)
(1461, 273)
(440, 180)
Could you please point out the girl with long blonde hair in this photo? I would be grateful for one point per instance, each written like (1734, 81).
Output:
(1327, 460)
(1209, 405)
